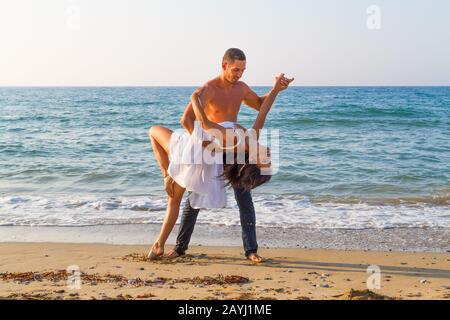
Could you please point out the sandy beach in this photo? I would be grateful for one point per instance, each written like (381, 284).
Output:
(39, 271)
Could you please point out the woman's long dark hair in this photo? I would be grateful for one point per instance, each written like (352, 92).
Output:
(245, 176)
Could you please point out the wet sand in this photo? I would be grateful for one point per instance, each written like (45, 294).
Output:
(395, 239)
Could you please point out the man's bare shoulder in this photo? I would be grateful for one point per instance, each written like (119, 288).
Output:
(243, 85)
(211, 84)
(210, 87)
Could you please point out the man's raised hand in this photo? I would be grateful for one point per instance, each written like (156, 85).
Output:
(281, 82)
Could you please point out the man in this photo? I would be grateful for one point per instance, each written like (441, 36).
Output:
(221, 99)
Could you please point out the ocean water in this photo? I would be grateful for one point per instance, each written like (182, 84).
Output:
(350, 157)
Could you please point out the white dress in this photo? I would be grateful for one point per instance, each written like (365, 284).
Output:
(191, 170)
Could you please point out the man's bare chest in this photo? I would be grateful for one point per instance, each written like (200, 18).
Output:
(226, 102)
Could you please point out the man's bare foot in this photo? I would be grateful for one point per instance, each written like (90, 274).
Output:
(155, 252)
(172, 255)
(255, 258)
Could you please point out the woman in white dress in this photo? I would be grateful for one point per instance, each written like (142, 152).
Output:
(206, 180)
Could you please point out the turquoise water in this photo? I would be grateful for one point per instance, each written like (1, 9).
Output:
(350, 157)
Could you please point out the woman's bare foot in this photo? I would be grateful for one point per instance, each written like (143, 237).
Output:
(255, 258)
(155, 252)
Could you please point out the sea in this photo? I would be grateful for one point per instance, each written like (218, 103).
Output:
(351, 158)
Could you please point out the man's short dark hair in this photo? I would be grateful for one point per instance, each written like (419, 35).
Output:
(233, 54)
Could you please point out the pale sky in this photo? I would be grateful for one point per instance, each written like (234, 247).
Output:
(181, 42)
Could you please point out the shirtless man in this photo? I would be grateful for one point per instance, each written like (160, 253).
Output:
(221, 98)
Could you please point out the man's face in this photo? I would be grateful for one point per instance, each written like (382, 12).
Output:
(233, 71)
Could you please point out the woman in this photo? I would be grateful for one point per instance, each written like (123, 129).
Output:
(168, 148)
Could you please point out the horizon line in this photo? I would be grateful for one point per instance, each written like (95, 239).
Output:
(195, 86)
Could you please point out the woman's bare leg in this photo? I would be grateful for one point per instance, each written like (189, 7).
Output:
(173, 209)
(160, 139)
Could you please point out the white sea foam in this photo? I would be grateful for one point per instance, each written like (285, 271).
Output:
(271, 211)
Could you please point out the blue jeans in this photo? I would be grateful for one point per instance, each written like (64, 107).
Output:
(248, 223)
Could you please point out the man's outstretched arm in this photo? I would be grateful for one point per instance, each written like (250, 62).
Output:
(252, 100)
